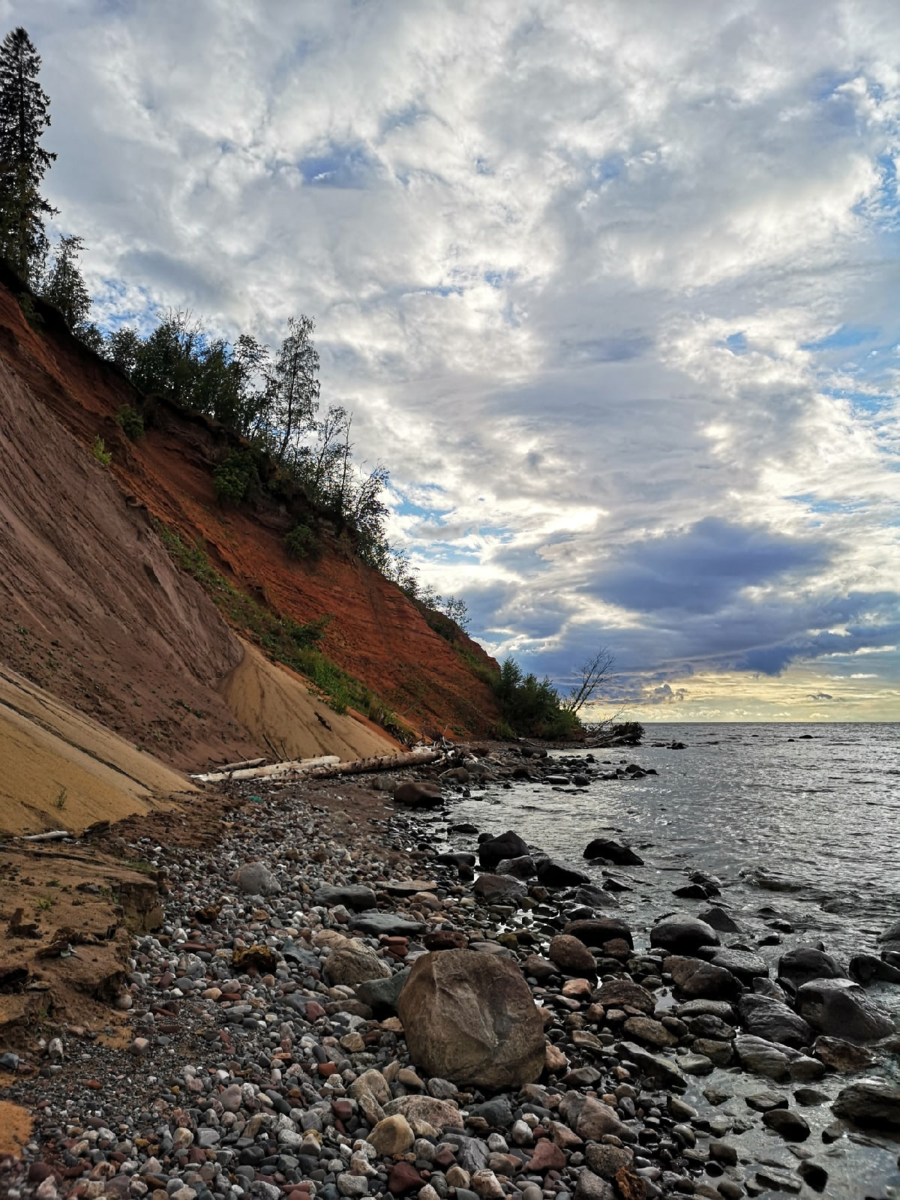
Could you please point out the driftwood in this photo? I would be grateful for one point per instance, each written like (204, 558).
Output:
(329, 766)
(273, 770)
(54, 835)
(362, 766)
(241, 766)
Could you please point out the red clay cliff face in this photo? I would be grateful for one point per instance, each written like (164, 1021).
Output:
(93, 609)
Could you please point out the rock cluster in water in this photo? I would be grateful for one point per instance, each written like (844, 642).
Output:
(333, 1019)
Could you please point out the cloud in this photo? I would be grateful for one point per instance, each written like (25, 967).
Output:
(619, 290)
(702, 568)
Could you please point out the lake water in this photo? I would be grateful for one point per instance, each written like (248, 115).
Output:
(764, 808)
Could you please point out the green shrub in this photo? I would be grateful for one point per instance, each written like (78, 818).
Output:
(531, 707)
(301, 542)
(130, 422)
(100, 452)
(236, 479)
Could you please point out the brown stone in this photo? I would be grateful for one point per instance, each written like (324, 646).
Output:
(403, 1178)
(470, 1018)
(546, 1157)
(842, 1056)
(618, 992)
(572, 956)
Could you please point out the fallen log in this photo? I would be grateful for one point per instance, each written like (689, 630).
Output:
(273, 770)
(54, 835)
(242, 766)
(362, 766)
(328, 766)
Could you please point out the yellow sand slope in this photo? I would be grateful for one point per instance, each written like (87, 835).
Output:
(62, 770)
(279, 710)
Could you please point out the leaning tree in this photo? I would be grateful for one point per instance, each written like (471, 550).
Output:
(24, 115)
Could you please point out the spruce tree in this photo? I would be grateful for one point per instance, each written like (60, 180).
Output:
(64, 286)
(24, 115)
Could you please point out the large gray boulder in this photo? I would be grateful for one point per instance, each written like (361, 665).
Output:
(471, 1018)
(499, 889)
(256, 879)
(840, 1008)
(381, 995)
(776, 1061)
(890, 939)
(774, 1021)
(870, 1103)
(418, 793)
(804, 963)
(376, 922)
(613, 852)
(555, 874)
(351, 896)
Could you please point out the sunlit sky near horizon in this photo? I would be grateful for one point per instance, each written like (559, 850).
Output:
(611, 288)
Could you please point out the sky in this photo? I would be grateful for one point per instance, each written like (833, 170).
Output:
(611, 288)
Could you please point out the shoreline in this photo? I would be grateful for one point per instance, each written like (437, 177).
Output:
(282, 1029)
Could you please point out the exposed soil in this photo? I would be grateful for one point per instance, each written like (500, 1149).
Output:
(93, 608)
(67, 914)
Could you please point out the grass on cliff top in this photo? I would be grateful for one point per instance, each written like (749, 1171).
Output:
(286, 640)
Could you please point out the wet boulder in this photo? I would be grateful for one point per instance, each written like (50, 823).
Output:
(774, 1060)
(506, 845)
(694, 977)
(597, 931)
(866, 969)
(499, 889)
(890, 939)
(840, 1008)
(572, 956)
(614, 852)
(555, 874)
(774, 1021)
(720, 920)
(619, 993)
(870, 1103)
(470, 1018)
(804, 963)
(843, 1056)
(682, 934)
(519, 868)
(418, 793)
(743, 963)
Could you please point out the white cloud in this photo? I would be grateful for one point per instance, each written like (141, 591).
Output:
(597, 275)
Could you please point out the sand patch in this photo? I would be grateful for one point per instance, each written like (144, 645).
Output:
(63, 770)
(278, 709)
(15, 1128)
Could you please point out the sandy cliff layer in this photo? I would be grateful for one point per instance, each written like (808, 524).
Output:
(61, 769)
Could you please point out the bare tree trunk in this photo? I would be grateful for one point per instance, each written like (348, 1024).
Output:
(326, 767)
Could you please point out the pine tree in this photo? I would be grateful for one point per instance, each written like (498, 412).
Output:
(64, 286)
(24, 115)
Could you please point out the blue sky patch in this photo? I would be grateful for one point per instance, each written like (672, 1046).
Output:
(339, 167)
